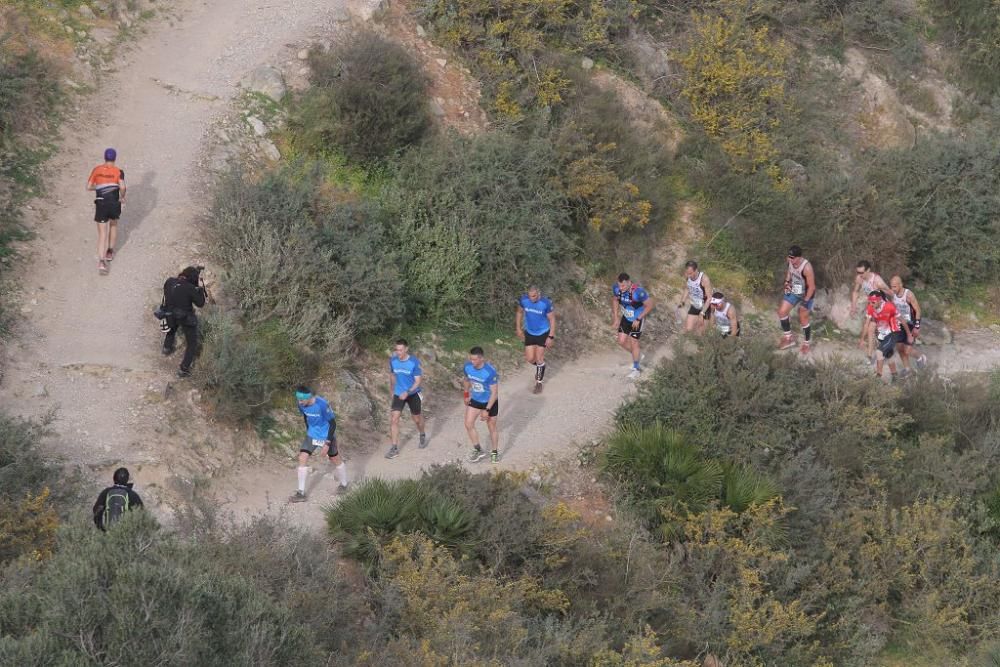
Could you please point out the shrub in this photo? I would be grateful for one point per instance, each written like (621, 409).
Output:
(139, 596)
(369, 99)
(490, 204)
(244, 368)
(973, 28)
(735, 76)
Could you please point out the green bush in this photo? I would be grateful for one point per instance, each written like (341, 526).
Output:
(244, 368)
(972, 27)
(486, 210)
(368, 99)
(137, 595)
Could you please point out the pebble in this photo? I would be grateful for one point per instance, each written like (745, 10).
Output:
(587, 63)
(420, 31)
(441, 61)
(40, 391)
(303, 54)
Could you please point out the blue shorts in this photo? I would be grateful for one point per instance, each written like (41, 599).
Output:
(797, 300)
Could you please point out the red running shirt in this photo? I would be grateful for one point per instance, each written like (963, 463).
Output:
(886, 318)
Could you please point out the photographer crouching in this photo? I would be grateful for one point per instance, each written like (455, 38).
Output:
(180, 297)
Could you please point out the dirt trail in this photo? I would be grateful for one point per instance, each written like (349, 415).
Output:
(88, 349)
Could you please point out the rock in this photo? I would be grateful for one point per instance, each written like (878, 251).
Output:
(86, 12)
(587, 63)
(303, 54)
(441, 61)
(366, 9)
(882, 115)
(652, 63)
(101, 6)
(304, 71)
(934, 332)
(793, 171)
(836, 303)
(258, 126)
(39, 391)
(436, 108)
(353, 400)
(266, 80)
(270, 150)
(420, 31)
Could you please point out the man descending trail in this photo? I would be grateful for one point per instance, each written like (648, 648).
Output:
(800, 286)
(727, 320)
(535, 324)
(406, 377)
(885, 320)
(630, 305)
(321, 435)
(114, 501)
(909, 314)
(866, 281)
(180, 297)
(697, 288)
(482, 391)
(107, 181)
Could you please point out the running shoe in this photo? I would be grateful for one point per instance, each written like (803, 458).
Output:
(102, 267)
(298, 497)
(786, 342)
(538, 388)
(423, 440)
(642, 358)
(393, 452)
(804, 348)
(921, 361)
(341, 489)
(494, 456)
(109, 255)
(476, 455)
(636, 372)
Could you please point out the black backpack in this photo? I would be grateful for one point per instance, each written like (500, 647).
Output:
(115, 505)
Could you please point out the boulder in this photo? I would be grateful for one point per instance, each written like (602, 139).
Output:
(258, 126)
(837, 305)
(793, 171)
(651, 60)
(266, 80)
(587, 63)
(270, 150)
(86, 12)
(934, 332)
(353, 400)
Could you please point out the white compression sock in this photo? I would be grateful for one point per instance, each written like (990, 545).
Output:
(303, 473)
(341, 471)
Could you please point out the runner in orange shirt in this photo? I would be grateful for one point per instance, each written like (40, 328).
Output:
(108, 182)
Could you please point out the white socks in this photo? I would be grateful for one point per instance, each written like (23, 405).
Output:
(303, 473)
(341, 471)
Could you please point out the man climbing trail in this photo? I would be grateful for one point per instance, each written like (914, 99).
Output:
(727, 320)
(114, 501)
(535, 324)
(630, 305)
(406, 378)
(481, 395)
(885, 320)
(909, 314)
(321, 435)
(800, 286)
(697, 288)
(866, 281)
(107, 181)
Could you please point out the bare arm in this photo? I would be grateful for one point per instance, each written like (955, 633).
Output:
(417, 379)
(392, 382)
(706, 286)
(552, 324)
(649, 304)
(494, 391)
(810, 277)
(614, 311)
(518, 320)
(854, 293)
(915, 305)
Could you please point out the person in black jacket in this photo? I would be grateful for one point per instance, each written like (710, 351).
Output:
(180, 296)
(115, 500)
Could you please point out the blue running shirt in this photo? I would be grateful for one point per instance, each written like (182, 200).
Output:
(481, 380)
(632, 300)
(406, 373)
(318, 416)
(536, 314)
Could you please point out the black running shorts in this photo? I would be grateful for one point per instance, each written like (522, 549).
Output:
(625, 326)
(107, 208)
(494, 411)
(540, 340)
(413, 401)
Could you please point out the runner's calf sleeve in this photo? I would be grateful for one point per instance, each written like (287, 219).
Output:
(341, 472)
(806, 332)
(785, 326)
(540, 371)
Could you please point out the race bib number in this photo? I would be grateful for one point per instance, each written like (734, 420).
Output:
(798, 289)
(629, 313)
(478, 388)
(882, 335)
(318, 443)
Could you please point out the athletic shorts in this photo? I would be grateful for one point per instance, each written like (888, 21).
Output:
(107, 208)
(797, 300)
(886, 345)
(694, 311)
(625, 326)
(412, 400)
(311, 446)
(540, 340)
(901, 335)
(494, 411)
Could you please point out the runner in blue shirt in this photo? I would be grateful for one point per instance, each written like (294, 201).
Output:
(405, 381)
(321, 434)
(630, 305)
(535, 324)
(481, 394)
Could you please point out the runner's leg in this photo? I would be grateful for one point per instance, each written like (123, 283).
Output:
(491, 424)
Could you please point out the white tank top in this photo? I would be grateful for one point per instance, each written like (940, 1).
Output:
(868, 286)
(722, 321)
(695, 291)
(902, 304)
(797, 278)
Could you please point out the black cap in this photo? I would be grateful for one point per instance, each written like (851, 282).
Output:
(795, 251)
(122, 476)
